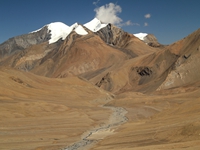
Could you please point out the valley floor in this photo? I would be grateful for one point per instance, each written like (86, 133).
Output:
(157, 121)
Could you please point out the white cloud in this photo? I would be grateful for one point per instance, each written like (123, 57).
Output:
(108, 13)
(145, 24)
(147, 16)
(129, 23)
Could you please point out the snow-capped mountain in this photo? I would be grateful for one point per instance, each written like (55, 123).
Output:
(141, 36)
(56, 31)
(59, 30)
(149, 39)
(50, 33)
(50, 37)
(94, 51)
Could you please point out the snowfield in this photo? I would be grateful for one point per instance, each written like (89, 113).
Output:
(80, 30)
(59, 30)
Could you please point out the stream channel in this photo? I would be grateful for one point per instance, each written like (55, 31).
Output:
(93, 136)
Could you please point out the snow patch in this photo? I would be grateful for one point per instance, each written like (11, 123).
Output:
(58, 30)
(80, 30)
(95, 25)
(141, 36)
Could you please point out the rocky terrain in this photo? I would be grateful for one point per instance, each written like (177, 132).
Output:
(99, 88)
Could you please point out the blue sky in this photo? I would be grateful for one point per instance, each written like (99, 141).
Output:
(168, 20)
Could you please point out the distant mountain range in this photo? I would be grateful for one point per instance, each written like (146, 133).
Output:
(105, 55)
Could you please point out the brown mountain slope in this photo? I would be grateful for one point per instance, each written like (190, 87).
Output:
(142, 74)
(84, 54)
(28, 58)
(186, 69)
(175, 65)
(187, 44)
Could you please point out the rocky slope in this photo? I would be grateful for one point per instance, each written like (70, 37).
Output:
(19, 43)
(151, 40)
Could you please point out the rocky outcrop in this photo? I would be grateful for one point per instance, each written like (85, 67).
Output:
(114, 36)
(123, 41)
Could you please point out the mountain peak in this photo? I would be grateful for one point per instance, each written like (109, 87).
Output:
(57, 24)
(95, 25)
(149, 39)
(58, 30)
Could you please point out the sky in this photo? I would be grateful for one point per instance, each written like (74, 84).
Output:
(168, 20)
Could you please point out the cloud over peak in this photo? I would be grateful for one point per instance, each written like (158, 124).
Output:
(108, 13)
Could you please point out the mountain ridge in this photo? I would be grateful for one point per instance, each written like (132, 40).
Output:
(63, 31)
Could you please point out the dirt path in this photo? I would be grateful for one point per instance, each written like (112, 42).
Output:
(93, 136)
